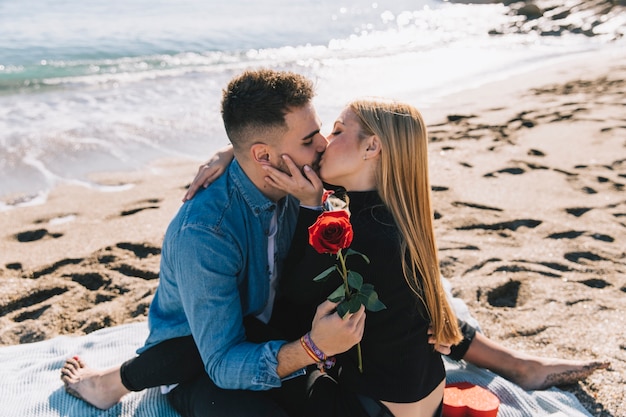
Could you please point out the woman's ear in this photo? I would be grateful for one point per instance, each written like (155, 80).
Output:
(260, 153)
(373, 147)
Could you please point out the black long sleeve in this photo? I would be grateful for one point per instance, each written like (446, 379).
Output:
(399, 364)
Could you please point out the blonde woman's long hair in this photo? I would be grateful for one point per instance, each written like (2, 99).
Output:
(403, 184)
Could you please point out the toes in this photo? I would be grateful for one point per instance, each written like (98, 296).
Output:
(79, 361)
(67, 375)
(70, 368)
(74, 363)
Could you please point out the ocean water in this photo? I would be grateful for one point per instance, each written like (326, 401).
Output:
(92, 85)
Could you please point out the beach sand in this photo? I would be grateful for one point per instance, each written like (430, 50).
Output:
(528, 178)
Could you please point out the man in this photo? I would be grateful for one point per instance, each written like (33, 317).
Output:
(221, 257)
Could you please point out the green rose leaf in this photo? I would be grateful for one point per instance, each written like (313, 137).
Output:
(323, 275)
(367, 288)
(343, 309)
(348, 306)
(353, 252)
(355, 280)
(337, 295)
(362, 298)
(372, 303)
(354, 304)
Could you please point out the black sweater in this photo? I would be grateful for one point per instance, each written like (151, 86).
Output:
(398, 363)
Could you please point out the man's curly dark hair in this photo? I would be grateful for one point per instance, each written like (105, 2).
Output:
(255, 102)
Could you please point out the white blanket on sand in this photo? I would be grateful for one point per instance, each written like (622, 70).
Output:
(30, 385)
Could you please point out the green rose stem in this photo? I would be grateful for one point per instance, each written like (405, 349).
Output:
(344, 277)
(331, 233)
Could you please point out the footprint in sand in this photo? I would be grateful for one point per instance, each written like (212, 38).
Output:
(577, 211)
(31, 314)
(576, 301)
(518, 268)
(576, 257)
(51, 268)
(476, 206)
(141, 250)
(520, 122)
(590, 182)
(510, 225)
(571, 175)
(602, 237)
(535, 152)
(37, 296)
(82, 294)
(37, 234)
(149, 204)
(509, 294)
(595, 283)
(459, 117)
(134, 272)
(481, 264)
(571, 234)
(556, 266)
(516, 170)
(110, 256)
(512, 171)
(91, 280)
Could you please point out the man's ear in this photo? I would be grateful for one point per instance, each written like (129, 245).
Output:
(260, 153)
(373, 147)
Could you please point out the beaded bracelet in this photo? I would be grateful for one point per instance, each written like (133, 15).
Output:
(322, 361)
(308, 350)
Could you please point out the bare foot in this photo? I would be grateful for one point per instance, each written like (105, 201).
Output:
(535, 373)
(528, 371)
(100, 388)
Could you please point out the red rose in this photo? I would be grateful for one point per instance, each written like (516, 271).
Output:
(331, 232)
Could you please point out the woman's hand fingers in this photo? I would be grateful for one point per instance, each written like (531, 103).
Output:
(444, 349)
(210, 171)
(307, 188)
(207, 173)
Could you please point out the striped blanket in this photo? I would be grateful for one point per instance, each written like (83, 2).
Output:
(30, 384)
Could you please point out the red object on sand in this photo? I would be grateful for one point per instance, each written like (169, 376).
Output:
(463, 399)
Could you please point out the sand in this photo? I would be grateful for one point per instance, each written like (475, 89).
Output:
(528, 179)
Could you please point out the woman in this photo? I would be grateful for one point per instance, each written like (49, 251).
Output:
(377, 152)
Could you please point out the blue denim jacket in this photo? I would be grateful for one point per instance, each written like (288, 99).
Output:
(214, 271)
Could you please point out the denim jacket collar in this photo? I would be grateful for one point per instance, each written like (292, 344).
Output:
(250, 193)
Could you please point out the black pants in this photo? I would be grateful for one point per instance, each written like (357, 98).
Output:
(201, 397)
(170, 362)
(178, 361)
